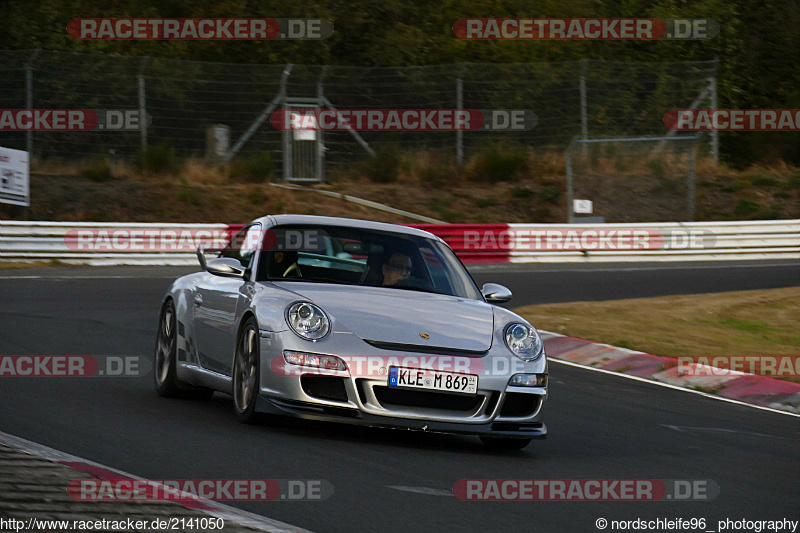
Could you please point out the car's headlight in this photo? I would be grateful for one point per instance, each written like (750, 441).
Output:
(523, 341)
(308, 320)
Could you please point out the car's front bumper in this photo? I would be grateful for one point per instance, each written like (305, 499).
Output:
(315, 411)
(360, 394)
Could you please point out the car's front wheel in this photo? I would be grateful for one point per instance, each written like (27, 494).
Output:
(505, 443)
(245, 372)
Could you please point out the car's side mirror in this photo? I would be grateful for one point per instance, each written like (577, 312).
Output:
(227, 267)
(495, 294)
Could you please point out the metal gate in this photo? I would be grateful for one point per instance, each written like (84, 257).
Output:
(303, 149)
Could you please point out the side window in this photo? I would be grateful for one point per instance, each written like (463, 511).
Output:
(244, 245)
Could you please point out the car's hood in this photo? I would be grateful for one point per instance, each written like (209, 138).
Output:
(397, 316)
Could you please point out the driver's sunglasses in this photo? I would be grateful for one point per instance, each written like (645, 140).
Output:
(400, 268)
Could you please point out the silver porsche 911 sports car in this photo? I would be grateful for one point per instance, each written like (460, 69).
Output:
(352, 321)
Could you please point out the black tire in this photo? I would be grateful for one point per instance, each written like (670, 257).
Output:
(505, 443)
(164, 360)
(245, 373)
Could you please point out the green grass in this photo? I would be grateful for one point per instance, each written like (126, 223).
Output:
(99, 171)
(746, 207)
(522, 192)
(485, 202)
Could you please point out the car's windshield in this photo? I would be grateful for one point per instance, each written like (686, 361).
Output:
(357, 256)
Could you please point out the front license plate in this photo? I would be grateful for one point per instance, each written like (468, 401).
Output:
(415, 378)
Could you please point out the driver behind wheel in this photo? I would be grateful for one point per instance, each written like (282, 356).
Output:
(284, 265)
(396, 269)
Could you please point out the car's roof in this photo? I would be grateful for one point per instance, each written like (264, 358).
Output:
(274, 220)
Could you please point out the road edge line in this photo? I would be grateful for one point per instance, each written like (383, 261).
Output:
(218, 510)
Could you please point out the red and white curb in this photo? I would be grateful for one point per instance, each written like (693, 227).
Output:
(231, 515)
(751, 390)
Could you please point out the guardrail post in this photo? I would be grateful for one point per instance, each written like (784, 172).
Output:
(320, 139)
(714, 133)
(570, 216)
(143, 106)
(460, 105)
(690, 188)
(584, 111)
(29, 99)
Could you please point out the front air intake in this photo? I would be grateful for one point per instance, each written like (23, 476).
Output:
(324, 387)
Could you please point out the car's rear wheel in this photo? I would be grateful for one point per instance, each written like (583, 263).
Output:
(164, 360)
(245, 372)
(505, 443)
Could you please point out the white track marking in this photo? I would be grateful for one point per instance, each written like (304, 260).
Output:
(686, 429)
(674, 387)
(218, 510)
(422, 490)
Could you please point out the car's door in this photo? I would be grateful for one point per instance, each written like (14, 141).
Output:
(216, 299)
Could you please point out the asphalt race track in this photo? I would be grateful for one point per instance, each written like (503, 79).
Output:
(601, 426)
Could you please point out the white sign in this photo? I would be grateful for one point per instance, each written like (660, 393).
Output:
(583, 207)
(304, 127)
(14, 177)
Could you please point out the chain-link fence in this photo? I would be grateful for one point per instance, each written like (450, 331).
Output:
(183, 99)
(632, 179)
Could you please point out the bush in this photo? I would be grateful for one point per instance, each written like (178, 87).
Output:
(736, 186)
(522, 192)
(764, 181)
(480, 203)
(550, 194)
(189, 193)
(253, 169)
(435, 174)
(499, 163)
(746, 207)
(99, 171)
(656, 167)
(546, 161)
(383, 168)
(771, 214)
(158, 158)
(444, 212)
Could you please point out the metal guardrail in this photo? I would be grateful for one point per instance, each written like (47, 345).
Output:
(112, 243)
(127, 243)
(658, 242)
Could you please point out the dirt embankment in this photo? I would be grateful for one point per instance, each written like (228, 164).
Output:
(201, 194)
